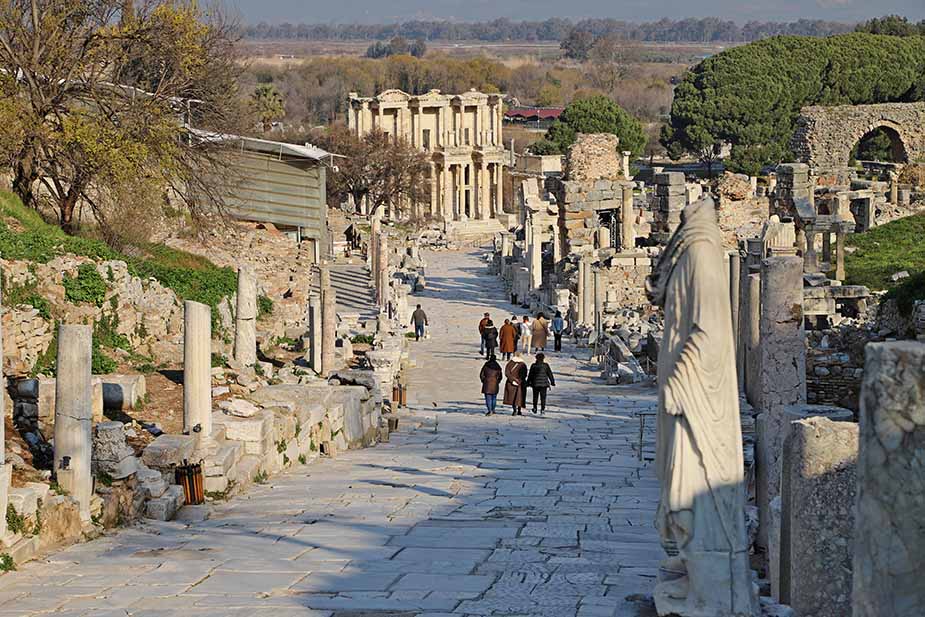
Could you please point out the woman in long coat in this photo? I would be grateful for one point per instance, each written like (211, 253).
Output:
(540, 332)
(508, 339)
(490, 377)
(515, 388)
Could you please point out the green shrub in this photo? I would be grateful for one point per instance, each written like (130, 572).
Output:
(363, 339)
(6, 563)
(15, 521)
(264, 306)
(15, 294)
(88, 286)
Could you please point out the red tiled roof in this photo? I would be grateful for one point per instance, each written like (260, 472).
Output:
(538, 113)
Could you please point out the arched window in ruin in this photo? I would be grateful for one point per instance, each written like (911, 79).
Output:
(882, 144)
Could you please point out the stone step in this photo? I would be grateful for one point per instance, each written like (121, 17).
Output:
(165, 507)
(244, 472)
(24, 550)
(227, 456)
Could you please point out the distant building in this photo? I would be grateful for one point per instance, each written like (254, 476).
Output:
(533, 117)
(461, 135)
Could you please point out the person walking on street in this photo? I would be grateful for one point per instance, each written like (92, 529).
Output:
(482, 323)
(490, 338)
(516, 323)
(558, 327)
(526, 333)
(419, 318)
(507, 339)
(515, 388)
(491, 383)
(540, 332)
(540, 379)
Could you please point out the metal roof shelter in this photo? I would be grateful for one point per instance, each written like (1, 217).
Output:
(278, 183)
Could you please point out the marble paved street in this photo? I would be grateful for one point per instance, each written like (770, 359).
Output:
(460, 514)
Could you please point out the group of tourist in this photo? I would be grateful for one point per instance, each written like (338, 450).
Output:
(516, 333)
(513, 335)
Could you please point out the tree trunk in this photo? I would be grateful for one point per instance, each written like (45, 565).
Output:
(24, 177)
(66, 210)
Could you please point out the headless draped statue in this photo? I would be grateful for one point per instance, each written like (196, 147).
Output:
(699, 441)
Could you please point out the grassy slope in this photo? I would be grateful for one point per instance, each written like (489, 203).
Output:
(885, 250)
(191, 277)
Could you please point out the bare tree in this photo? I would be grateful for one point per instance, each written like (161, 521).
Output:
(377, 167)
(99, 98)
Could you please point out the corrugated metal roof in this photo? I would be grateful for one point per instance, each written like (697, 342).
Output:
(542, 113)
(253, 144)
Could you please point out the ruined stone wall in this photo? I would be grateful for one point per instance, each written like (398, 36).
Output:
(825, 135)
(579, 202)
(625, 280)
(593, 157)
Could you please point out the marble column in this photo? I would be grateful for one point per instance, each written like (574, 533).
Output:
(782, 353)
(499, 179)
(894, 188)
(434, 194)
(840, 255)
(734, 281)
(328, 322)
(588, 299)
(582, 292)
(74, 415)
(484, 193)
(751, 316)
(598, 301)
(627, 220)
(245, 318)
(535, 256)
(382, 276)
(889, 563)
(375, 226)
(810, 258)
(197, 369)
(626, 163)
(448, 192)
(5, 470)
(314, 332)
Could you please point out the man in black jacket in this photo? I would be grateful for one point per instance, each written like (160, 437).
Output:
(540, 379)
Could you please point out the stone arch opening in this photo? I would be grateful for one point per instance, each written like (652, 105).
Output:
(882, 144)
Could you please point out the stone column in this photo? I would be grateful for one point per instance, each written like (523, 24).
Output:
(382, 277)
(535, 256)
(818, 490)
(889, 563)
(598, 301)
(626, 163)
(375, 226)
(894, 188)
(197, 369)
(810, 259)
(582, 292)
(448, 191)
(328, 321)
(556, 245)
(782, 376)
(588, 299)
(627, 220)
(484, 192)
(827, 247)
(499, 179)
(245, 318)
(750, 318)
(74, 415)
(434, 194)
(314, 332)
(734, 281)
(840, 255)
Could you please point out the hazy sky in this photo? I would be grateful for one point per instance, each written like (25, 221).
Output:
(380, 11)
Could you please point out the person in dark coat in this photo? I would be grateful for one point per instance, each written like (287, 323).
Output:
(483, 323)
(491, 383)
(507, 340)
(515, 388)
(540, 379)
(490, 338)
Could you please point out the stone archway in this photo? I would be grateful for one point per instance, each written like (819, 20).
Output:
(825, 135)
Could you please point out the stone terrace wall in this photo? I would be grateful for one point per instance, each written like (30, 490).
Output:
(625, 280)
